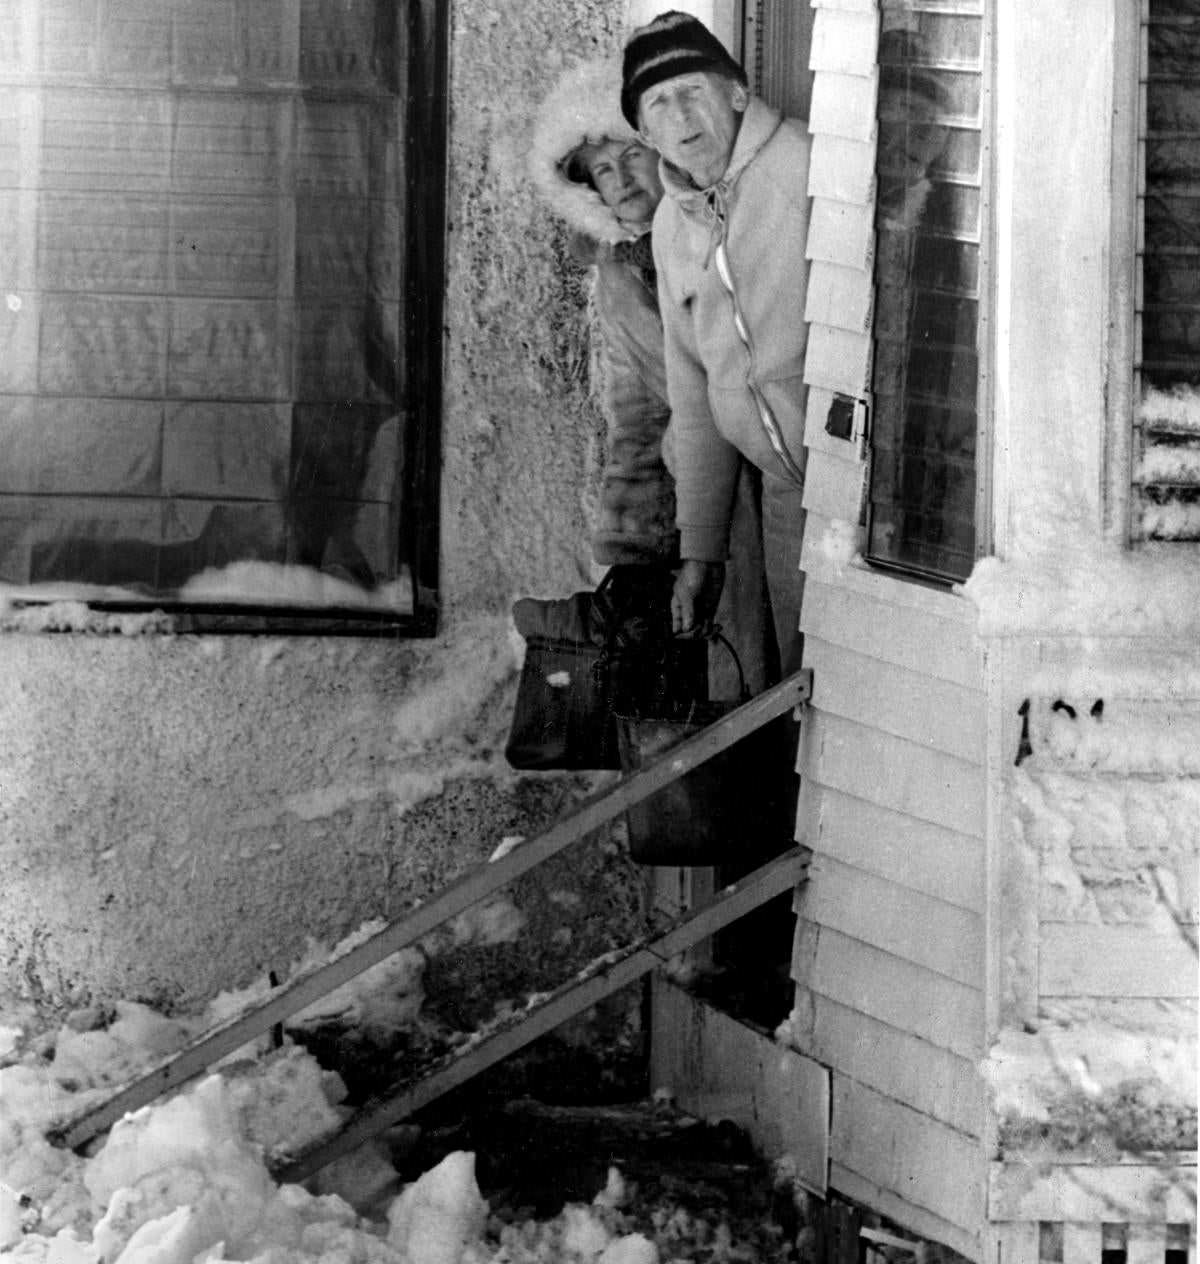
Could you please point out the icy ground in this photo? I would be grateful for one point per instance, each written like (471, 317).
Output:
(189, 1179)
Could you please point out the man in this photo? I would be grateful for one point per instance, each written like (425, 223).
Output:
(593, 172)
(729, 247)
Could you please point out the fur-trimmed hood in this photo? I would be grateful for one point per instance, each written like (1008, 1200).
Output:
(584, 105)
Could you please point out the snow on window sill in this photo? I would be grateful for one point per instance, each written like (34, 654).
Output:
(835, 561)
(1101, 593)
(245, 596)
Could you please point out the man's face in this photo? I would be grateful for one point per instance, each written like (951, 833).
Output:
(625, 174)
(693, 121)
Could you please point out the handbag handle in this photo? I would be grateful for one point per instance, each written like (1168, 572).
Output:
(717, 635)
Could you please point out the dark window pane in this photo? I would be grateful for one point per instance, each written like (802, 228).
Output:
(1175, 161)
(926, 366)
(1172, 221)
(949, 95)
(937, 39)
(949, 209)
(1173, 8)
(948, 152)
(1171, 278)
(213, 368)
(1172, 105)
(1166, 466)
(1174, 48)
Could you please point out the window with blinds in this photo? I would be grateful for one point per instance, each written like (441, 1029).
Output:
(1166, 449)
(211, 389)
(928, 268)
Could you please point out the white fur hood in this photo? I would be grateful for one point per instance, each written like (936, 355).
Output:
(584, 105)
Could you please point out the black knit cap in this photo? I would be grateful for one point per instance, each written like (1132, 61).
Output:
(672, 44)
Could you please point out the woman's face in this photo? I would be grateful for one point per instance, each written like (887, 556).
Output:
(625, 174)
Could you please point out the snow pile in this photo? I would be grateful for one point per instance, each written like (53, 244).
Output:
(30, 1167)
(64, 607)
(386, 997)
(839, 544)
(1090, 593)
(1100, 1086)
(185, 1180)
(1061, 578)
(1162, 464)
(440, 1216)
(269, 583)
(1028, 1072)
(1125, 736)
(1177, 409)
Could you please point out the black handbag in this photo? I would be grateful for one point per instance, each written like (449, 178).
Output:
(592, 654)
(736, 808)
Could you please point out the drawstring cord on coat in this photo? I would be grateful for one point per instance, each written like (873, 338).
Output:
(716, 209)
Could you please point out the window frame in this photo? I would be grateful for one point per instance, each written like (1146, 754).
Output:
(426, 144)
(984, 536)
(1117, 454)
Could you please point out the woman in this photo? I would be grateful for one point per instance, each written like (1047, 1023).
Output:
(596, 175)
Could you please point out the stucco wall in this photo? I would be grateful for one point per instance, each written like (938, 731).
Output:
(522, 439)
(178, 814)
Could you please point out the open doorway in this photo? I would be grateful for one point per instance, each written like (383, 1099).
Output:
(746, 970)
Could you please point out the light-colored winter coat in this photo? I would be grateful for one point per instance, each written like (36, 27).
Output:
(637, 498)
(726, 392)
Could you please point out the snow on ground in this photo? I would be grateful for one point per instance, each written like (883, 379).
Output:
(1094, 592)
(188, 1179)
(185, 1180)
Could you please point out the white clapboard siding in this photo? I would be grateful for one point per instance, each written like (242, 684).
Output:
(896, 774)
(896, 1147)
(849, 6)
(924, 639)
(837, 359)
(938, 714)
(816, 437)
(889, 947)
(814, 562)
(833, 484)
(922, 1223)
(837, 296)
(844, 105)
(903, 995)
(915, 927)
(932, 1080)
(841, 168)
(900, 849)
(1120, 961)
(841, 232)
(844, 41)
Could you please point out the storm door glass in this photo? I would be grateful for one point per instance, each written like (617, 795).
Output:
(928, 226)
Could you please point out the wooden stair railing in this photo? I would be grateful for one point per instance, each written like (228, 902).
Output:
(600, 978)
(475, 885)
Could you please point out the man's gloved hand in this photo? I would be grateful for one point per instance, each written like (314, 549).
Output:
(697, 591)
